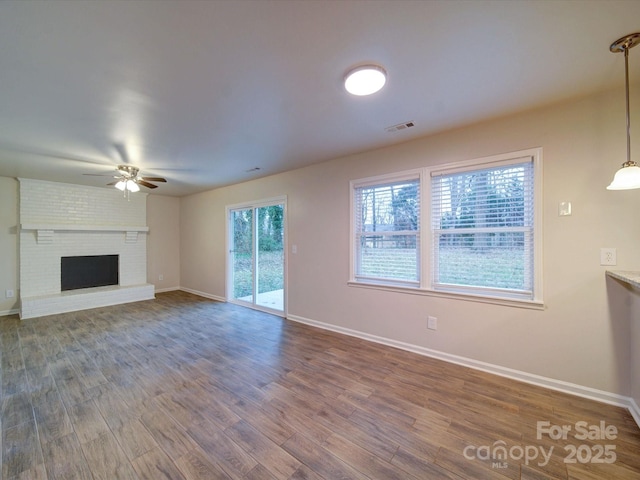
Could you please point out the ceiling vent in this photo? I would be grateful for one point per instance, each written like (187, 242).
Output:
(398, 127)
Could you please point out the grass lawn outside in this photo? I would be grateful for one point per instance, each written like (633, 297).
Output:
(270, 273)
(495, 268)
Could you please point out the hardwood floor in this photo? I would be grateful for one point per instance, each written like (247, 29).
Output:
(187, 388)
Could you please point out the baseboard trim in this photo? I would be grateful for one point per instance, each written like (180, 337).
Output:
(550, 383)
(6, 313)
(169, 289)
(203, 294)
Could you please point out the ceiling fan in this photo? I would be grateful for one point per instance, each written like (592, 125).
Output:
(128, 179)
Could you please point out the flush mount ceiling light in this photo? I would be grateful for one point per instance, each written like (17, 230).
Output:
(628, 176)
(365, 79)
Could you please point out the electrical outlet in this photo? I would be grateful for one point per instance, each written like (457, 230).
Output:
(608, 256)
(160, 277)
(432, 323)
(9, 293)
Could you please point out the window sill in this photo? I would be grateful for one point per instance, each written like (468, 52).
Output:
(528, 304)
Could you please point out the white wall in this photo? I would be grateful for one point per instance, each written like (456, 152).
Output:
(163, 242)
(580, 336)
(8, 244)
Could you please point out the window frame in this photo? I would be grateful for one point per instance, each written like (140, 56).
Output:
(426, 286)
(382, 180)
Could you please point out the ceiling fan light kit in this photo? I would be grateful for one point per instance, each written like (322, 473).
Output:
(128, 181)
(132, 186)
(628, 177)
(127, 185)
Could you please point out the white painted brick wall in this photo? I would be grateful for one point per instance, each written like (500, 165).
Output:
(61, 203)
(48, 203)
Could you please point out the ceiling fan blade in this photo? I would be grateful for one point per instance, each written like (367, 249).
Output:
(98, 174)
(147, 184)
(112, 183)
(154, 179)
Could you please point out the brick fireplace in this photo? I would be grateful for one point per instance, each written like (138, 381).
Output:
(61, 220)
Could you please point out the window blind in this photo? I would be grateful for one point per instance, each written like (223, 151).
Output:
(482, 224)
(387, 226)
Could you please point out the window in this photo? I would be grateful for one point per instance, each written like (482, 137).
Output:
(387, 230)
(484, 235)
(483, 228)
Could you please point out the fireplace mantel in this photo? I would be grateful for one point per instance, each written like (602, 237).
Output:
(82, 228)
(44, 232)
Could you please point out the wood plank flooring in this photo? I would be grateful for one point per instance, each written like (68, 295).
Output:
(184, 388)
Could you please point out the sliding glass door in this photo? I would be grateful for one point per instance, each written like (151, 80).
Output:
(242, 255)
(257, 255)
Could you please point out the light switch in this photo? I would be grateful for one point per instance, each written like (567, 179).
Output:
(564, 209)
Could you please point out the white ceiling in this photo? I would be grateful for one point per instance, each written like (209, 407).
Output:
(202, 91)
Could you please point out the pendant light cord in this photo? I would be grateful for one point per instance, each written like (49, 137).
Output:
(626, 77)
(627, 177)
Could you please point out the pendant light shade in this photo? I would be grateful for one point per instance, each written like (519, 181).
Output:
(628, 177)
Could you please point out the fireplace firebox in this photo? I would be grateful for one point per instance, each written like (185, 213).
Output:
(88, 271)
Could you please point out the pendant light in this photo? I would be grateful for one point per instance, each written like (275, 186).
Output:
(628, 176)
